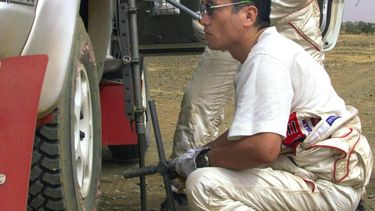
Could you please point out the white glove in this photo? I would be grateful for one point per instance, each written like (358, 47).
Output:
(186, 163)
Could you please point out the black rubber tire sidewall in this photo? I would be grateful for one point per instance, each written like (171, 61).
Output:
(125, 153)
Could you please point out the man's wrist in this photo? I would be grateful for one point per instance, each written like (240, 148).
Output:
(202, 158)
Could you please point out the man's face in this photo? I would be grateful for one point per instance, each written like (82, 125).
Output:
(220, 25)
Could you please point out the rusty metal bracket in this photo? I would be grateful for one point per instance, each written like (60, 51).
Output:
(128, 90)
(123, 30)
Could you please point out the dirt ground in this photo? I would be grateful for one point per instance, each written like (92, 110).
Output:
(351, 65)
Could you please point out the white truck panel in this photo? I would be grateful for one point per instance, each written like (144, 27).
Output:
(15, 21)
(52, 34)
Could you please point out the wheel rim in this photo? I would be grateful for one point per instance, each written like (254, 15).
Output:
(83, 130)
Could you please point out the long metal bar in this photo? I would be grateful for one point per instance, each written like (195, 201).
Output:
(185, 9)
(139, 109)
(149, 170)
(163, 165)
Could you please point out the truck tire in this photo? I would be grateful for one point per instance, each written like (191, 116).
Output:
(125, 153)
(66, 160)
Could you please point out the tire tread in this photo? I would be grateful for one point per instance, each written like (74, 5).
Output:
(45, 185)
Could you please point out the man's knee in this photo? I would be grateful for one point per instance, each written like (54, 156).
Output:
(197, 180)
(198, 187)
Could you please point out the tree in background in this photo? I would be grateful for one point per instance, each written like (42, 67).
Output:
(358, 27)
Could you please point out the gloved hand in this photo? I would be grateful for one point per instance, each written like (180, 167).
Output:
(186, 163)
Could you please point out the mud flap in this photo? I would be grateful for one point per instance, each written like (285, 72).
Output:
(21, 80)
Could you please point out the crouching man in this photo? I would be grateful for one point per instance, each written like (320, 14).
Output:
(293, 143)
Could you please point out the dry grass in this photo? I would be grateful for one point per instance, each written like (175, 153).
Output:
(352, 49)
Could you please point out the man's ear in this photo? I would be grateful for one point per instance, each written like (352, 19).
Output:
(250, 15)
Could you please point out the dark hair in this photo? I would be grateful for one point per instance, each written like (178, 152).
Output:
(264, 10)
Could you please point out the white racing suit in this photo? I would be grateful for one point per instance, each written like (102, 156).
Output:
(327, 171)
(211, 87)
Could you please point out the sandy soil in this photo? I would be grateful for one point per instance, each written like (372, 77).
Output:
(351, 66)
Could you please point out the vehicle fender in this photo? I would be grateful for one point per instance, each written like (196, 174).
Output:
(52, 33)
(21, 80)
(100, 16)
(16, 21)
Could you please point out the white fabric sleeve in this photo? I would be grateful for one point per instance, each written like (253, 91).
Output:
(263, 97)
(282, 8)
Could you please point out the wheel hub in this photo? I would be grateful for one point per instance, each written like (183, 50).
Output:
(83, 130)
